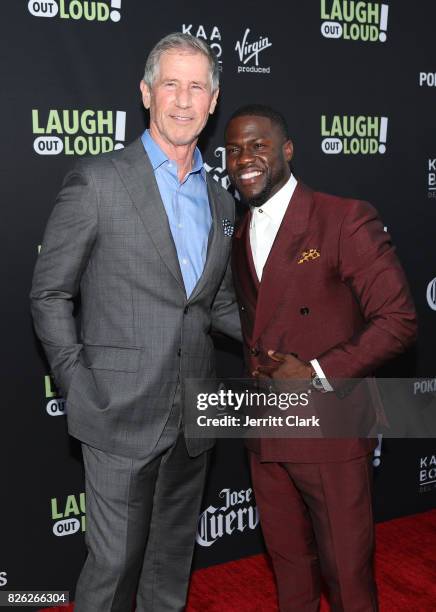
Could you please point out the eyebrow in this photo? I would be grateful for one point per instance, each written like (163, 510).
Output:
(254, 139)
(203, 83)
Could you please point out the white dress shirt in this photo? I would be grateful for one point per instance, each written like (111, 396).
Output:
(264, 225)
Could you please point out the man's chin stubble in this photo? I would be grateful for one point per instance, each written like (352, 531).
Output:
(261, 197)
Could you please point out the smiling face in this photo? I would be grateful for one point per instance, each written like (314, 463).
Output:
(258, 157)
(180, 98)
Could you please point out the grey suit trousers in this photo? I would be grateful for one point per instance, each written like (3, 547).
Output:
(141, 522)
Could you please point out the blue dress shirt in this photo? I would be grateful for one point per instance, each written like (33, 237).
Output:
(187, 206)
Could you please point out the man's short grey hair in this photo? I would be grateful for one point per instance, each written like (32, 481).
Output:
(183, 42)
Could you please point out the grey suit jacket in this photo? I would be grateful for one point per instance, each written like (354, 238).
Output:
(108, 239)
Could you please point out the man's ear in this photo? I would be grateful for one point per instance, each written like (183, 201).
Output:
(146, 94)
(214, 102)
(288, 150)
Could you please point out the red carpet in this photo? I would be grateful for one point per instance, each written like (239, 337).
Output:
(405, 565)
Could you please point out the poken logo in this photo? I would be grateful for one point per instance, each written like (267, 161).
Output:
(87, 10)
(68, 514)
(427, 79)
(353, 134)
(78, 132)
(364, 21)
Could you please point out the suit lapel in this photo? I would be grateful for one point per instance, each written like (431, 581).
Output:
(285, 250)
(245, 273)
(138, 177)
(250, 260)
(215, 241)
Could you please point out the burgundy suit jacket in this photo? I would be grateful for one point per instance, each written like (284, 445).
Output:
(350, 307)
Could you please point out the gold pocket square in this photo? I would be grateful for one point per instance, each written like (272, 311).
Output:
(308, 255)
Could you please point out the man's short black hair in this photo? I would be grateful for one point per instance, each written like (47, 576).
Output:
(262, 110)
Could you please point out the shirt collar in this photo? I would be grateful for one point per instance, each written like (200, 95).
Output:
(157, 156)
(276, 206)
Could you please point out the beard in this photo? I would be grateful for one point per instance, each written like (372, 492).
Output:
(261, 197)
(264, 195)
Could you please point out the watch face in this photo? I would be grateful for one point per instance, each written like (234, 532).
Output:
(317, 383)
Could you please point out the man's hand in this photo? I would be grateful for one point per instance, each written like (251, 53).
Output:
(286, 367)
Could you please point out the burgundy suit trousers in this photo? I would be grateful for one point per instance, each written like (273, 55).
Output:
(318, 525)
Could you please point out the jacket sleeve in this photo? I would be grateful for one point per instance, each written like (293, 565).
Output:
(65, 252)
(368, 265)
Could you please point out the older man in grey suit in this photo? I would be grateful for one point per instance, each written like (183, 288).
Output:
(143, 235)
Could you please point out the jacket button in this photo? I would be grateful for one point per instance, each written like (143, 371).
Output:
(242, 308)
(304, 311)
(254, 351)
(179, 351)
(186, 310)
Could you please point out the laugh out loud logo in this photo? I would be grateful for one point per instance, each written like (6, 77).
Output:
(76, 9)
(87, 132)
(364, 21)
(355, 135)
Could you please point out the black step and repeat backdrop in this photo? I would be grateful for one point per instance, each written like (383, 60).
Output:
(357, 83)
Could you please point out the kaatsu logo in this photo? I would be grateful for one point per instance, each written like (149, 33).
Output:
(427, 473)
(55, 405)
(76, 9)
(365, 21)
(213, 38)
(249, 51)
(74, 132)
(69, 515)
(355, 135)
(235, 515)
(219, 173)
(431, 184)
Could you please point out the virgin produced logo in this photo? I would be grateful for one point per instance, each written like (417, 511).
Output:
(249, 49)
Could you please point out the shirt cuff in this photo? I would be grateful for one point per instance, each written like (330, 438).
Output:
(318, 371)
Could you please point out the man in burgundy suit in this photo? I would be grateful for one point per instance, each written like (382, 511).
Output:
(322, 297)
